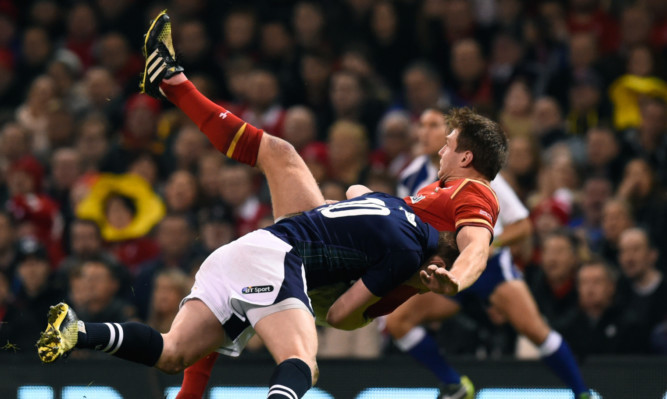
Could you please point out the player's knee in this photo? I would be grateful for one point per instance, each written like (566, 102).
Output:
(280, 151)
(174, 359)
(399, 324)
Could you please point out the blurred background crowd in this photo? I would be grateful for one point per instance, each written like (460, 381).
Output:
(112, 199)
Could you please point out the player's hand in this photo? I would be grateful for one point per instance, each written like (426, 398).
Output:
(439, 280)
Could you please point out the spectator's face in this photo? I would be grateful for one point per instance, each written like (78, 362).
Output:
(65, 168)
(192, 41)
(276, 41)
(299, 127)
(467, 61)
(558, 259)
(20, 183)
(118, 214)
(635, 26)
(61, 76)
(86, 241)
(654, 121)
(384, 21)
(546, 115)
(181, 191)
(113, 52)
(167, 295)
(640, 62)
(59, 127)
(239, 30)
(421, 91)
(34, 274)
(346, 94)
(262, 89)
(583, 50)
(98, 281)
(596, 192)
(563, 173)
(42, 91)
(190, 145)
(92, 143)
(235, 185)
(36, 46)
(99, 86)
(396, 136)
(595, 289)
(174, 237)
(208, 174)
(81, 22)
(6, 233)
(315, 71)
(642, 175)
(308, 22)
(15, 142)
(601, 147)
(216, 234)
(635, 255)
(141, 122)
(346, 144)
(432, 132)
(518, 100)
(615, 219)
(458, 16)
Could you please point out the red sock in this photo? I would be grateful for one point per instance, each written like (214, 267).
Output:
(227, 132)
(195, 378)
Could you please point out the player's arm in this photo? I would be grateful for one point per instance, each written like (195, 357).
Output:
(348, 312)
(357, 190)
(473, 242)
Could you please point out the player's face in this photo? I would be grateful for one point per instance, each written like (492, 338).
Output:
(449, 158)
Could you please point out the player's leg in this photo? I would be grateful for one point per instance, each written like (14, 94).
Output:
(404, 325)
(291, 338)
(293, 189)
(514, 300)
(195, 377)
(194, 333)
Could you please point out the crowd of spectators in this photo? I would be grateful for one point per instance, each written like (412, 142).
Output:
(578, 85)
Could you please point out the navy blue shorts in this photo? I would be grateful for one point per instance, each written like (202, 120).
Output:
(499, 268)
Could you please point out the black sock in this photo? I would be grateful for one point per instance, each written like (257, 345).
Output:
(290, 379)
(130, 341)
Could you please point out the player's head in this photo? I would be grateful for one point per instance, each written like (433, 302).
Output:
(475, 145)
(447, 250)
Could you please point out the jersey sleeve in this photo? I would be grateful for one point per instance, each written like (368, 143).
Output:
(395, 268)
(475, 205)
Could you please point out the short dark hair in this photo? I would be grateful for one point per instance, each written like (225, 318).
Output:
(448, 250)
(610, 272)
(483, 137)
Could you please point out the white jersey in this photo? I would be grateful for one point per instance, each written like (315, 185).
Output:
(511, 208)
(417, 175)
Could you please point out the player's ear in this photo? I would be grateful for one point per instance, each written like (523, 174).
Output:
(466, 160)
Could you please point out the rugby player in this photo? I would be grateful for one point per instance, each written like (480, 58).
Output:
(500, 285)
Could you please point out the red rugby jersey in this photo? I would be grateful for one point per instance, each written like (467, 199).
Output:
(457, 203)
